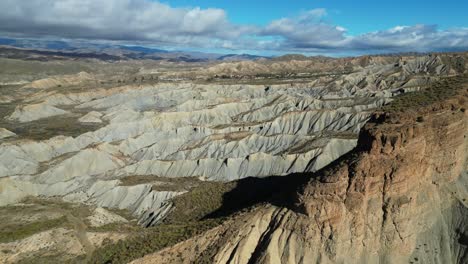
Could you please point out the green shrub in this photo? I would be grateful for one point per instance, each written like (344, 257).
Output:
(11, 233)
(150, 240)
(438, 91)
(199, 202)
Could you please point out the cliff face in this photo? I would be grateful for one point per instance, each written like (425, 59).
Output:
(400, 197)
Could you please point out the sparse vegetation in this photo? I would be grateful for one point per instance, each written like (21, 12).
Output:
(49, 259)
(204, 207)
(150, 240)
(46, 128)
(137, 100)
(36, 215)
(185, 221)
(131, 227)
(10, 233)
(441, 90)
(162, 183)
(199, 202)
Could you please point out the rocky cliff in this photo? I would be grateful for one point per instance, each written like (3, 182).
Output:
(399, 197)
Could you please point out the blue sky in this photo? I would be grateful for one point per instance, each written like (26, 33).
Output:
(326, 27)
(358, 17)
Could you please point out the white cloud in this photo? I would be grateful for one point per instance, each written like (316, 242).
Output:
(313, 14)
(161, 24)
(316, 36)
(115, 20)
(421, 38)
(340, 28)
(305, 31)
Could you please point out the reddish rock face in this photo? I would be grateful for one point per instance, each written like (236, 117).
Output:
(400, 197)
(396, 185)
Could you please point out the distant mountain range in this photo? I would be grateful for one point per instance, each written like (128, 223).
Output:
(52, 49)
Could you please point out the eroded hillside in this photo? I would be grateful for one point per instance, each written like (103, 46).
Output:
(399, 197)
(144, 150)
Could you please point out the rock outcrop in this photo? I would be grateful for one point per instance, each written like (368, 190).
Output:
(5, 133)
(65, 80)
(214, 132)
(35, 112)
(91, 117)
(399, 197)
(102, 217)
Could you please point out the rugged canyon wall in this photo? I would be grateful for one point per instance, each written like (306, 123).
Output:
(80, 138)
(399, 197)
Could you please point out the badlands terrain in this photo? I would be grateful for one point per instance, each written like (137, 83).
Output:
(285, 160)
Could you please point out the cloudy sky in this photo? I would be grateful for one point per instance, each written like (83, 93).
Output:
(269, 27)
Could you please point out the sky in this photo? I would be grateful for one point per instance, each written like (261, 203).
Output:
(313, 27)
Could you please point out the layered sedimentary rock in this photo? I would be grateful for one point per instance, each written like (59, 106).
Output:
(210, 131)
(399, 197)
(224, 141)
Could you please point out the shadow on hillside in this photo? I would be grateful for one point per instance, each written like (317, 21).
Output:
(281, 191)
(277, 190)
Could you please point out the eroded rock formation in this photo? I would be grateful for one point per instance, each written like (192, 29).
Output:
(399, 197)
(214, 131)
